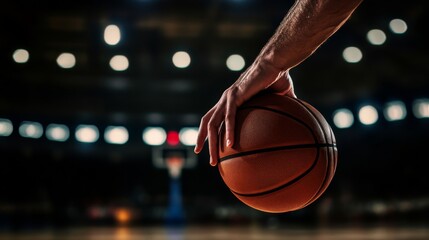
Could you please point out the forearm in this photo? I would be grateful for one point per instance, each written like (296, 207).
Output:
(308, 24)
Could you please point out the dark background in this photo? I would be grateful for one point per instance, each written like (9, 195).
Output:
(382, 171)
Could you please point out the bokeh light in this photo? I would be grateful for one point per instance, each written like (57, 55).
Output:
(116, 135)
(368, 115)
(87, 133)
(343, 118)
(181, 59)
(352, 55)
(21, 56)
(66, 60)
(154, 136)
(57, 132)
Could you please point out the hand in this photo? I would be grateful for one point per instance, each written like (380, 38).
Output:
(256, 78)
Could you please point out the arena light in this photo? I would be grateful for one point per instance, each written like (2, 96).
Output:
(112, 34)
(188, 136)
(235, 62)
(343, 118)
(30, 129)
(21, 56)
(154, 136)
(376, 37)
(181, 59)
(352, 55)
(173, 138)
(86, 133)
(6, 127)
(395, 110)
(368, 115)
(119, 63)
(421, 108)
(66, 60)
(398, 26)
(57, 132)
(116, 135)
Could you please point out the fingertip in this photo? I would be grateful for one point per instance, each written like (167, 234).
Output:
(197, 149)
(229, 143)
(212, 162)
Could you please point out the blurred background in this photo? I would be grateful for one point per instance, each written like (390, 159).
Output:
(96, 96)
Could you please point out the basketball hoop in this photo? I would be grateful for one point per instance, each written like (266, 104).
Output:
(175, 165)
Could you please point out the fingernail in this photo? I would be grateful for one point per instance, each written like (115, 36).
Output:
(228, 143)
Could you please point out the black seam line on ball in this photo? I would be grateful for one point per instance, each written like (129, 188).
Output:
(316, 160)
(273, 149)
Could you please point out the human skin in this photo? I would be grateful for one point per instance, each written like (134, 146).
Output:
(306, 26)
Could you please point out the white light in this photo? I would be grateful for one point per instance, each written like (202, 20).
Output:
(119, 63)
(6, 127)
(376, 37)
(57, 132)
(154, 136)
(368, 115)
(21, 56)
(31, 129)
(352, 54)
(188, 136)
(116, 135)
(395, 110)
(235, 62)
(66, 60)
(181, 59)
(87, 133)
(421, 108)
(398, 26)
(112, 34)
(343, 118)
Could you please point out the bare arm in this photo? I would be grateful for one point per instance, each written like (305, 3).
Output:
(307, 25)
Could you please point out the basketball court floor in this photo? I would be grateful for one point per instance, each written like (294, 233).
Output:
(225, 232)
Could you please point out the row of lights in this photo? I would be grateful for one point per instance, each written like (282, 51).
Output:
(376, 37)
(112, 36)
(182, 59)
(368, 114)
(153, 136)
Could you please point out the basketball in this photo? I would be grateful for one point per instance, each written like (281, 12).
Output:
(284, 155)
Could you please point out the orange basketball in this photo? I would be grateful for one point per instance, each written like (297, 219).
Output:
(284, 155)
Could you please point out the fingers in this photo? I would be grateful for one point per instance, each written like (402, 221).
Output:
(202, 132)
(230, 122)
(213, 128)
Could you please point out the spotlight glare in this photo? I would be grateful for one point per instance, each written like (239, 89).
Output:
(87, 133)
(6, 127)
(188, 136)
(57, 132)
(154, 136)
(21, 56)
(343, 118)
(368, 115)
(181, 59)
(112, 34)
(116, 135)
(352, 54)
(119, 63)
(395, 111)
(421, 108)
(235, 62)
(398, 26)
(376, 37)
(66, 60)
(30, 129)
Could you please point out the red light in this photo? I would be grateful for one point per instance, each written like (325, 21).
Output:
(173, 138)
